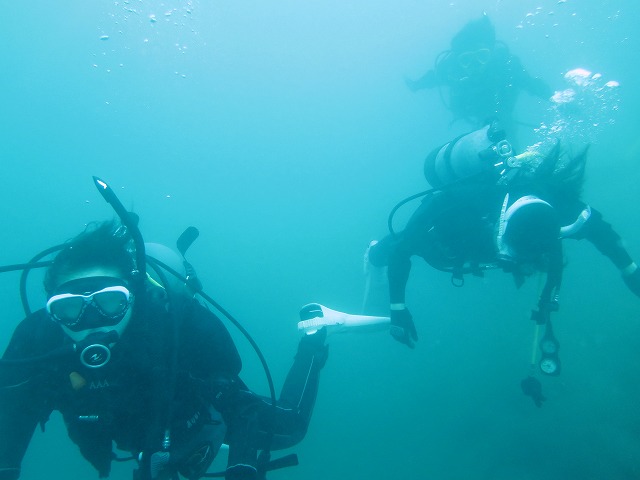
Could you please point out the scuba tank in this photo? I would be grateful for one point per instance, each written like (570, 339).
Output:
(178, 286)
(484, 156)
(482, 152)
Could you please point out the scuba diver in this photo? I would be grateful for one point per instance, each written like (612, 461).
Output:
(133, 360)
(492, 208)
(482, 77)
(467, 232)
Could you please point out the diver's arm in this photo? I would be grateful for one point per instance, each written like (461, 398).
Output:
(398, 273)
(19, 402)
(287, 424)
(548, 301)
(404, 245)
(602, 235)
(393, 252)
(428, 80)
(402, 327)
(411, 241)
(18, 420)
(440, 75)
(254, 423)
(299, 392)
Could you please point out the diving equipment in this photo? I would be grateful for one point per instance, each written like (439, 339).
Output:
(70, 309)
(482, 152)
(93, 350)
(549, 360)
(471, 58)
(314, 316)
(98, 352)
(130, 222)
(177, 284)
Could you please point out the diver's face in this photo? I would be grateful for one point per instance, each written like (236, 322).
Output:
(529, 266)
(524, 266)
(526, 253)
(92, 300)
(528, 261)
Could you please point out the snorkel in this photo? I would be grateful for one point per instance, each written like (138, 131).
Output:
(139, 275)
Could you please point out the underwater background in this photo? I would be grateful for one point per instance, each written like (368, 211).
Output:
(283, 130)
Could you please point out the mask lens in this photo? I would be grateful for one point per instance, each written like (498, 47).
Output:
(108, 305)
(549, 366)
(483, 56)
(66, 309)
(476, 57)
(465, 59)
(111, 303)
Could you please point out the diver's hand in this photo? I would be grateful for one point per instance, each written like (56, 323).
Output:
(402, 327)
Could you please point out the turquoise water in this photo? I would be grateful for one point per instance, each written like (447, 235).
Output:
(285, 133)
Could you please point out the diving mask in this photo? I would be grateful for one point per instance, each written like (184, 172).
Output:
(90, 303)
(480, 57)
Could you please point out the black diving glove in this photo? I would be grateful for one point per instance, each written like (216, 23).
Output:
(402, 327)
(632, 281)
(542, 315)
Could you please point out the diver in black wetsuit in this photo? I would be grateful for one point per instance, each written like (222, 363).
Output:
(463, 232)
(482, 78)
(158, 379)
(460, 226)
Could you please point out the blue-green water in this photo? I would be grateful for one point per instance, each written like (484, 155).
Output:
(284, 131)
